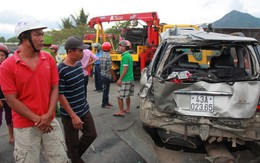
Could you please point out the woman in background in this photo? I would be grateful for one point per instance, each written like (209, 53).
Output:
(4, 52)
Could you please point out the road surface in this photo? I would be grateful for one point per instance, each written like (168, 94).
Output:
(108, 147)
(120, 137)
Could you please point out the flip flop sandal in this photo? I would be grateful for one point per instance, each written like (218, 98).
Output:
(118, 114)
(127, 112)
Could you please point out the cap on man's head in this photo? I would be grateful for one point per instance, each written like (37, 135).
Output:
(74, 42)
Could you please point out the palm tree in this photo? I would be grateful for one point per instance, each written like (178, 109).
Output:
(74, 21)
(81, 19)
(66, 23)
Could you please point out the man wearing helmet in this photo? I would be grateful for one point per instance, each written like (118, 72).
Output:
(4, 107)
(107, 74)
(126, 79)
(31, 89)
(54, 52)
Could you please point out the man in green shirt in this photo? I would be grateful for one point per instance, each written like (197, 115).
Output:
(126, 79)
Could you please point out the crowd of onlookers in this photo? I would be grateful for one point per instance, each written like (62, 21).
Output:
(37, 84)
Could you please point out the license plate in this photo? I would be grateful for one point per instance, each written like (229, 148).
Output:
(201, 103)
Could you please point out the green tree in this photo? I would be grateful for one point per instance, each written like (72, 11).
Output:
(59, 36)
(2, 39)
(71, 26)
(81, 19)
(66, 23)
(13, 39)
(74, 20)
(117, 30)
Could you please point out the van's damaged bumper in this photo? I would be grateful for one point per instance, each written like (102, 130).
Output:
(183, 127)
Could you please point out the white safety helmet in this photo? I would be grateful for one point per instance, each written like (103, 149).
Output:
(26, 24)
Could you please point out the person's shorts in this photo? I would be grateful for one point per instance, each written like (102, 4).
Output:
(126, 89)
(29, 142)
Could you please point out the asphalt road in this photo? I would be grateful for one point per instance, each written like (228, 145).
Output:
(108, 147)
(120, 137)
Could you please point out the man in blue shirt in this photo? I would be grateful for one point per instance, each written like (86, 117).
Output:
(98, 80)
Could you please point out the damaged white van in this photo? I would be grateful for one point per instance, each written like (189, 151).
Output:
(202, 87)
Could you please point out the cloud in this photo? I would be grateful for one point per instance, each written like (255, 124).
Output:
(256, 14)
(7, 23)
(12, 18)
(50, 12)
(6, 30)
(237, 5)
(209, 3)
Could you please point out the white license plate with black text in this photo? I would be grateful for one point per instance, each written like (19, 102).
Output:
(201, 103)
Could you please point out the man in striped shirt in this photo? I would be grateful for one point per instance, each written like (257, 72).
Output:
(75, 114)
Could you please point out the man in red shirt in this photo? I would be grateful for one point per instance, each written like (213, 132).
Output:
(30, 87)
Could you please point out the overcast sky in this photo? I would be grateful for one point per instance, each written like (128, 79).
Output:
(50, 12)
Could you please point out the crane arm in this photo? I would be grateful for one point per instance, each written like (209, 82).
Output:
(151, 18)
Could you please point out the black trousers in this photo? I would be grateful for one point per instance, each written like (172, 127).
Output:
(78, 145)
(86, 85)
(106, 87)
(98, 80)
